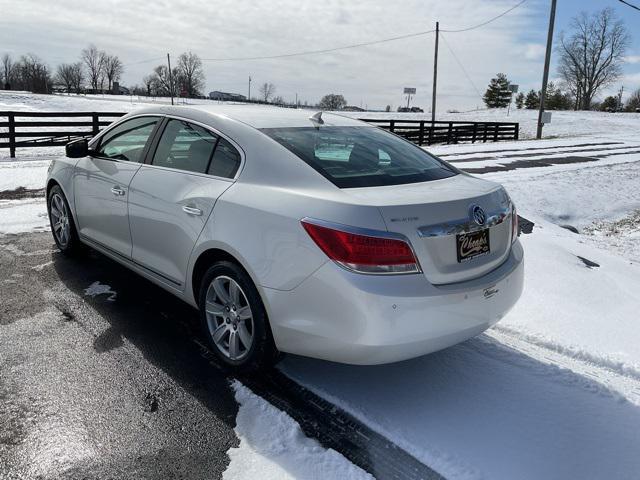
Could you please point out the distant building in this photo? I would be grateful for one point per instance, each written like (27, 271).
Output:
(234, 97)
(353, 108)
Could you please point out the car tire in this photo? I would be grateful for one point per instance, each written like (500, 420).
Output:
(63, 227)
(234, 319)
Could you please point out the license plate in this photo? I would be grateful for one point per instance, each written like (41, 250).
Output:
(472, 245)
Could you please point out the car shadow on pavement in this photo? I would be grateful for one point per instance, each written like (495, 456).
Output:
(147, 342)
(162, 327)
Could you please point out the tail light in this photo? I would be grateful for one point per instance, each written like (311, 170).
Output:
(515, 226)
(373, 253)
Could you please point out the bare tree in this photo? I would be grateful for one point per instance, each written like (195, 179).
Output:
(32, 74)
(150, 84)
(6, 75)
(78, 77)
(267, 90)
(191, 74)
(94, 60)
(65, 75)
(592, 56)
(633, 104)
(113, 69)
(165, 84)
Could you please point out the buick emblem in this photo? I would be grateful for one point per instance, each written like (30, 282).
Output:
(478, 215)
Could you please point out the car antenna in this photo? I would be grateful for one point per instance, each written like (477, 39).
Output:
(317, 118)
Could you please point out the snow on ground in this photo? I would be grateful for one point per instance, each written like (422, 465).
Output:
(273, 447)
(17, 216)
(27, 174)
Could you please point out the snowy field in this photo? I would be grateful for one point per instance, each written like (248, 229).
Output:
(552, 391)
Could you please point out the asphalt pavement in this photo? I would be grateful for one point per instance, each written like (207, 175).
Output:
(102, 387)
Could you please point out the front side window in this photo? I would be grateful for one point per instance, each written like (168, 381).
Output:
(127, 140)
(185, 146)
(361, 156)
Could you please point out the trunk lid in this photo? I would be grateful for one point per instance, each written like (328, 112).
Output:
(432, 214)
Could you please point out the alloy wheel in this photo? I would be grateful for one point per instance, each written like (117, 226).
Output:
(229, 318)
(60, 219)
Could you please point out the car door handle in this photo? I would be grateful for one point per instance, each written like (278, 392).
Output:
(191, 210)
(116, 190)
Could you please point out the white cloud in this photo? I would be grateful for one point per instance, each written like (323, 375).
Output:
(534, 51)
(373, 75)
(632, 59)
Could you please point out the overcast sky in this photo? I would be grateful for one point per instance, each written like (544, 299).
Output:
(373, 76)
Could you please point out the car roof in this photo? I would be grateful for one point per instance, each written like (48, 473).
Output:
(258, 116)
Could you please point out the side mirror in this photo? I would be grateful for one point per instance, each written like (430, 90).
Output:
(77, 148)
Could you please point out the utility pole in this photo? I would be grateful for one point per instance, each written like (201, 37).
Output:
(249, 95)
(620, 98)
(296, 99)
(547, 61)
(170, 78)
(435, 75)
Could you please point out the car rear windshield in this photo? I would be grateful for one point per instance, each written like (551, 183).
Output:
(361, 156)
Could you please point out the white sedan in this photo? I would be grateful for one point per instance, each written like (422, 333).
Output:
(317, 235)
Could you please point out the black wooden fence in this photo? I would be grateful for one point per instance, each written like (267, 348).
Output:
(47, 129)
(426, 132)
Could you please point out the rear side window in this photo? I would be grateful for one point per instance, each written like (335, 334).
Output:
(361, 156)
(185, 146)
(127, 140)
(226, 160)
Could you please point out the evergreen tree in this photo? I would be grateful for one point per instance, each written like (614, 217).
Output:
(497, 94)
(610, 104)
(520, 100)
(532, 100)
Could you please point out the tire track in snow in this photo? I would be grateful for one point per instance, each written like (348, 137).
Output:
(614, 376)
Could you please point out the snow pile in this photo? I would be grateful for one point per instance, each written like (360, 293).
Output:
(272, 446)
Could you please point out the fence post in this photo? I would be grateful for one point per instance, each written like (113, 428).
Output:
(475, 132)
(495, 133)
(392, 126)
(517, 128)
(421, 137)
(96, 125)
(449, 132)
(12, 134)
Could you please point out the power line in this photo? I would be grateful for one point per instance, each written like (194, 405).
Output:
(144, 61)
(488, 21)
(461, 66)
(315, 52)
(629, 4)
(363, 44)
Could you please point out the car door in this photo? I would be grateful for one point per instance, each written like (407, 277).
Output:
(101, 182)
(173, 194)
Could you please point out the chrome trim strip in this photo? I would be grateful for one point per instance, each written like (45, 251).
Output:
(465, 225)
(367, 233)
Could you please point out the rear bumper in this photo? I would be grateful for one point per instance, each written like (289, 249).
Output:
(345, 317)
